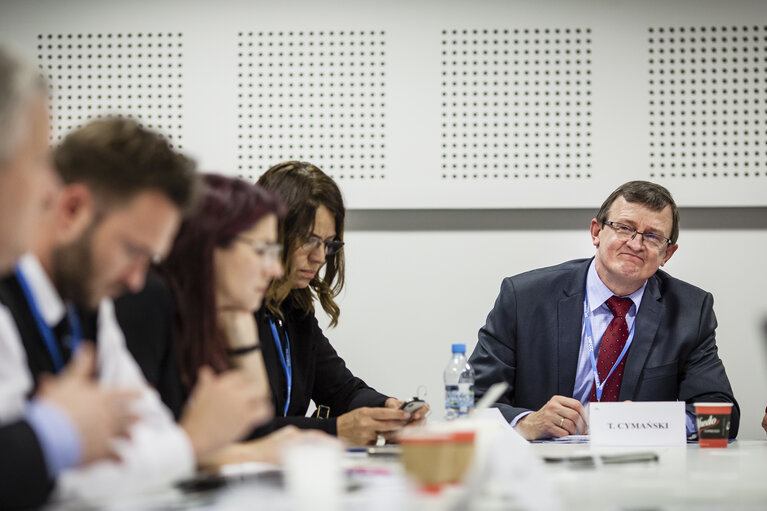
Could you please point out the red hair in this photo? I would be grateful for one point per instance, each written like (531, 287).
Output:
(227, 207)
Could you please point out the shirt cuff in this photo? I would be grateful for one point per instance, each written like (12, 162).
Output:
(519, 417)
(58, 437)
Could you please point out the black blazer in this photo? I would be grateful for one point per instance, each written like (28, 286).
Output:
(532, 337)
(38, 358)
(24, 481)
(319, 374)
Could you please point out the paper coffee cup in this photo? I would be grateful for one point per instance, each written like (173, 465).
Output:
(434, 459)
(713, 420)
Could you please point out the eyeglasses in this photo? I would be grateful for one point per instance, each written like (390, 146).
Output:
(269, 251)
(331, 246)
(139, 254)
(626, 233)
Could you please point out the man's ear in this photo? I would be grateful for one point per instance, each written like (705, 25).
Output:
(76, 210)
(669, 252)
(595, 229)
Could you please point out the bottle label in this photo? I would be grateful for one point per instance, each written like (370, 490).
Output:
(459, 398)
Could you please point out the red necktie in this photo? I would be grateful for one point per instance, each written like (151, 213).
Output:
(613, 341)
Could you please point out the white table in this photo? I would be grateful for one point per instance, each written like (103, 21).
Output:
(688, 478)
(684, 478)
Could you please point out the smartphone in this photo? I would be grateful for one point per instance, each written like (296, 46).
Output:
(206, 481)
(387, 451)
(412, 405)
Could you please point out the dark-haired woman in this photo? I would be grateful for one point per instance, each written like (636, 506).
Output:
(300, 362)
(222, 261)
(214, 279)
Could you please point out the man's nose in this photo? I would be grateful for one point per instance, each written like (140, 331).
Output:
(636, 242)
(135, 278)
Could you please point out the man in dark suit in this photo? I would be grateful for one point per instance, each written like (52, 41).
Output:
(610, 328)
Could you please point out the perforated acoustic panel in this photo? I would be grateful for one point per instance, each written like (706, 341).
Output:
(317, 96)
(708, 101)
(96, 74)
(516, 103)
(442, 104)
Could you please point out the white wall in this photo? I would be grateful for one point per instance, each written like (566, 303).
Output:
(422, 285)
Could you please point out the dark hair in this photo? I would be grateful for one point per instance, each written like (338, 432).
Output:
(118, 159)
(648, 194)
(227, 207)
(303, 188)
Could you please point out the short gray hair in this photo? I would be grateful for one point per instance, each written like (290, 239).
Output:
(20, 83)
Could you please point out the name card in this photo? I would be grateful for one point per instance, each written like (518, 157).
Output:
(638, 423)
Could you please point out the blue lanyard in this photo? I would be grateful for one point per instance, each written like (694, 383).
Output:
(286, 364)
(599, 386)
(45, 331)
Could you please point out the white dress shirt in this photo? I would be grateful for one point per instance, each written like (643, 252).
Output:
(158, 451)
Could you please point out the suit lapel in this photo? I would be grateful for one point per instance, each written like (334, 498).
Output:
(570, 322)
(646, 326)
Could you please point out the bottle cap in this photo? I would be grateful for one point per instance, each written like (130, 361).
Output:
(459, 348)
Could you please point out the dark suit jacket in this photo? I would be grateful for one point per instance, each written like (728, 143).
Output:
(319, 374)
(38, 357)
(532, 337)
(24, 481)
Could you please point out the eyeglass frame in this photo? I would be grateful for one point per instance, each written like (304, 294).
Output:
(138, 254)
(268, 250)
(617, 226)
(314, 242)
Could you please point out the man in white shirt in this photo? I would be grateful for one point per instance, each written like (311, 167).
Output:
(125, 191)
(70, 420)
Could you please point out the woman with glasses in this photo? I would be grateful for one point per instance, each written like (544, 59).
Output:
(300, 362)
(211, 283)
(222, 261)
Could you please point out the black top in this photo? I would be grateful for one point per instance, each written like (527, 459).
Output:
(319, 374)
(146, 319)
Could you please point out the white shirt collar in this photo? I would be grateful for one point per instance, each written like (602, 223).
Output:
(47, 299)
(598, 292)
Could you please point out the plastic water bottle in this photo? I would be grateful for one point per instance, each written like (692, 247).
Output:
(459, 384)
